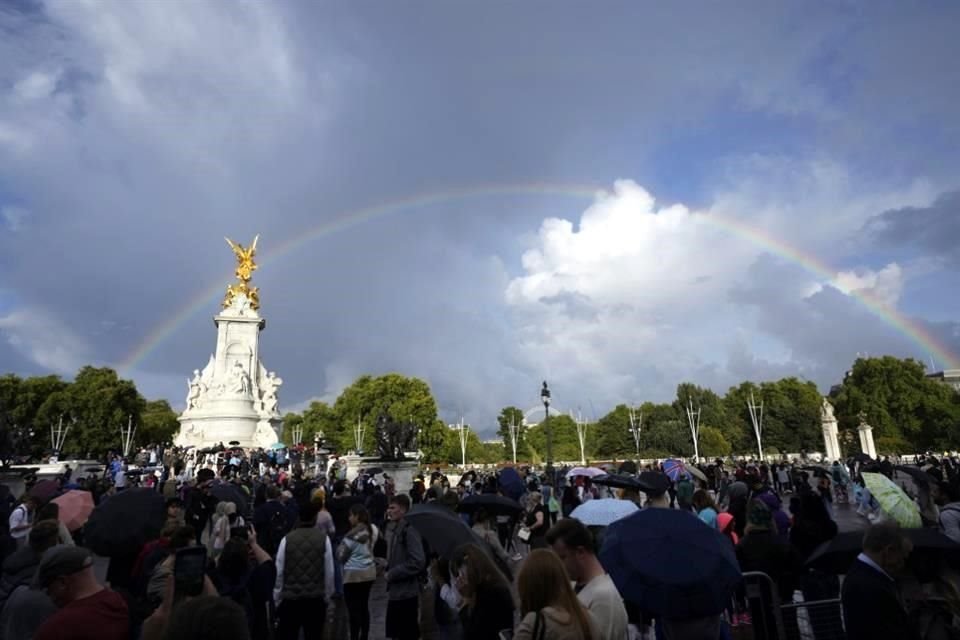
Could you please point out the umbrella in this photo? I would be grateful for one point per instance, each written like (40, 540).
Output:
(628, 467)
(442, 529)
(276, 446)
(696, 473)
(602, 512)
(511, 483)
(45, 490)
(919, 476)
(588, 472)
(674, 469)
(892, 500)
(373, 471)
(670, 563)
(862, 457)
(491, 503)
(930, 549)
(618, 480)
(227, 492)
(234, 443)
(121, 524)
(75, 508)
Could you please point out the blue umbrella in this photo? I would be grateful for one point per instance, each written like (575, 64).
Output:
(602, 512)
(511, 483)
(670, 564)
(276, 446)
(674, 469)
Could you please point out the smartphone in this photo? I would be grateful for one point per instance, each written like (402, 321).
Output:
(189, 571)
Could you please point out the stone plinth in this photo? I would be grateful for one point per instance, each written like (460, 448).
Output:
(402, 472)
(866, 440)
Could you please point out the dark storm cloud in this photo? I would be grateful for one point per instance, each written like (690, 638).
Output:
(932, 231)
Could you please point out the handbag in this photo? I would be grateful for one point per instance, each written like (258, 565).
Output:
(523, 535)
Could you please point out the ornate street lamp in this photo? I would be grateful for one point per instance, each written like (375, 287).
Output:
(545, 398)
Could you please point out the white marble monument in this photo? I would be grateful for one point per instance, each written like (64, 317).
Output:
(831, 444)
(234, 397)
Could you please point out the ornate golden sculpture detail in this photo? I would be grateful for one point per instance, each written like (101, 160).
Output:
(244, 272)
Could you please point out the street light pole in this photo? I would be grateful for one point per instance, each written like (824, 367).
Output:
(545, 398)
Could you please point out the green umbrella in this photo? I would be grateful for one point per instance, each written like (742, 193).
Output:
(892, 500)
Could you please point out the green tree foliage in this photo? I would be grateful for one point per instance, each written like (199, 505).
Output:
(613, 436)
(435, 441)
(158, 423)
(98, 403)
(566, 446)
(905, 408)
(665, 432)
(713, 444)
(713, 411)
(402, 398)
(317, 419)
(508, 416)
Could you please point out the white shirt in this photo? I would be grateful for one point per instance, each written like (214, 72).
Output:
(601, 598)
(19, 517)
(327, 569)
(120, 479)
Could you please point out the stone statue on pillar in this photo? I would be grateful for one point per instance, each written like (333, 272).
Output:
(828, 420)
(866, 436)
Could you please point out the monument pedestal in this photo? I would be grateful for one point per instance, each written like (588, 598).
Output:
(234, 398)
(401, 471)
(866, 440)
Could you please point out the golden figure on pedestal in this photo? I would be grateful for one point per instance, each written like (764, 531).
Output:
(244, 272)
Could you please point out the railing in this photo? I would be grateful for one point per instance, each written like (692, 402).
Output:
(773, 619)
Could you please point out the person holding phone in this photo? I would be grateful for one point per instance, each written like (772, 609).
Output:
(355, 552)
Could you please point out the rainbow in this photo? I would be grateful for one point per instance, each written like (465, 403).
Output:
(209, 296)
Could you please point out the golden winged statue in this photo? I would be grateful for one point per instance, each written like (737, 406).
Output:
(244, 272)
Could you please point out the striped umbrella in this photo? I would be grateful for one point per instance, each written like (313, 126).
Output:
(892, 500)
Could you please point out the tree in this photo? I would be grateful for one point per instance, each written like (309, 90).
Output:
(905, 408)
(711, 407)
(435, 441)
(96, 405)
(403, 399)
(566, 447)
(512, 416)
(713, 444)
(613, 436)
(666, 433)
(158, 423)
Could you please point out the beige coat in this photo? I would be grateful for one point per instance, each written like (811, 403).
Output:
(559, 626)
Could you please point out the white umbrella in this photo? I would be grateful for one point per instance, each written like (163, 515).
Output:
(602, 511)
(589, 472)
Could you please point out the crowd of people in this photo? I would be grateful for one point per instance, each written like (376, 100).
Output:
(286, 542)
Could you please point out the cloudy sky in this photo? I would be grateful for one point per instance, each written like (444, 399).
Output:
(482, 194)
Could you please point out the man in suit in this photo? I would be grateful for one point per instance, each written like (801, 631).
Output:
(872, 607)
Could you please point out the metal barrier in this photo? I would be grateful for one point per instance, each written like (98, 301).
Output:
(772, 619)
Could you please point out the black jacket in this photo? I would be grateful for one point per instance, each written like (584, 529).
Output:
(872, 608)
(18, 569)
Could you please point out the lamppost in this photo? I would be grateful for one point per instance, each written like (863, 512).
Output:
(545, 398)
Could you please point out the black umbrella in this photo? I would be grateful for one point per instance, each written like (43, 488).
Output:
(228, 492)
(628, 467)
(442, 529)
(121, 524)
(493, 504)
(618, 480)
(234, 443)
(373, 471)
(919, 476)
(931, 550)
(862, 457)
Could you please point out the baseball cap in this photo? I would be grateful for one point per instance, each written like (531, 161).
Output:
(61, 560)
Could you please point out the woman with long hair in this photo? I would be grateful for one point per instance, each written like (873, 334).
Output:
(549, 606)
(487, 602)
(359, 571)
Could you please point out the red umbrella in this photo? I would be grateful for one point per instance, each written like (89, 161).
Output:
(75, 508)
(45, 490)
